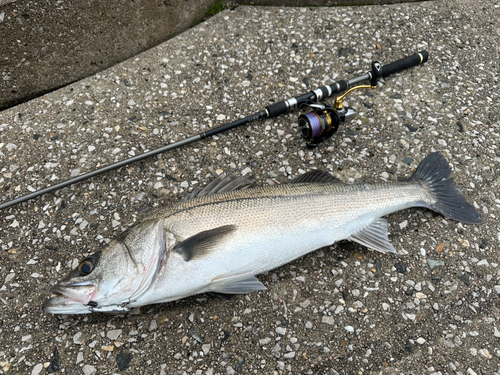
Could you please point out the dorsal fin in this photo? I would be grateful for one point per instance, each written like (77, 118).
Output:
(221, 184)
(316, 176)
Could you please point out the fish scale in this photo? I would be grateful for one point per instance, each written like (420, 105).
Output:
(292, 205)
(223, 235)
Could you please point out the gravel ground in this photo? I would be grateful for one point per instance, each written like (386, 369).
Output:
(432, 308)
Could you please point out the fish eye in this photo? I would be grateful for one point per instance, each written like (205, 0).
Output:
(86, 266)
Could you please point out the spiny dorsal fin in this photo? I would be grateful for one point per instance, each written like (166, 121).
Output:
(374, 236)
(316, 176)
(203, 243)
(221, 184)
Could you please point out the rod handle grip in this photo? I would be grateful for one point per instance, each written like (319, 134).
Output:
(276, 109)
(407, 62)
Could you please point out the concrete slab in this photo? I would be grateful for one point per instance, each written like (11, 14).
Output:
(47, 45)
(329, 3)
(340, 310)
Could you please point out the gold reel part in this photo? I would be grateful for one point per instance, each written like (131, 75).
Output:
(339, 100)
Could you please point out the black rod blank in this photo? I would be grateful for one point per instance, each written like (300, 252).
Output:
(270, 111)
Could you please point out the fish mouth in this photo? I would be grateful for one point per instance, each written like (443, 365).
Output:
(59, 304)
(70, 299)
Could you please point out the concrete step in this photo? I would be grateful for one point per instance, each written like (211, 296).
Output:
(47, 45)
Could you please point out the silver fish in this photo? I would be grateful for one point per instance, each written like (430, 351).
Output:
(223, 235)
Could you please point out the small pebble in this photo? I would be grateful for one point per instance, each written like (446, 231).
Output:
(76, 338)
(265, 341)
(89, 370)
(240, 364)
(37, 369)
(485, 353)
(400, 267)
(205, 348)
(483, 262)
(246, 171)
(123, 361)
(289, 355)
(281, 330)
(153, 325)
(328, 320)
(434, 263)
(496, 332)
(79, 357)
(114, 334)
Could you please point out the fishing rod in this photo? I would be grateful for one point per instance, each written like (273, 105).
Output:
(316, 126)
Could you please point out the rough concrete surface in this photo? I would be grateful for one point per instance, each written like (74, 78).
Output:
(302, 3)
(432, 308)
(49, 44)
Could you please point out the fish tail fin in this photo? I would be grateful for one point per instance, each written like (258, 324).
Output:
(447, 199)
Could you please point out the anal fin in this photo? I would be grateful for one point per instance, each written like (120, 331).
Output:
(374, 236)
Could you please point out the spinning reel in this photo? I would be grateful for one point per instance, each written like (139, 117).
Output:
(324, 120)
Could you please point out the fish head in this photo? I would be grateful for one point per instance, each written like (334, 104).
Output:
(106, 277)
(111, 278)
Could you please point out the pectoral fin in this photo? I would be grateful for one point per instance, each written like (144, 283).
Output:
(203, 243)
(374, 236)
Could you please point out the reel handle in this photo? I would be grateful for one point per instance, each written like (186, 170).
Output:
(405, 63)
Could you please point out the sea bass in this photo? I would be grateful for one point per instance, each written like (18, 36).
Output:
(223, 235)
